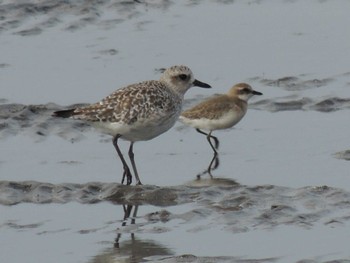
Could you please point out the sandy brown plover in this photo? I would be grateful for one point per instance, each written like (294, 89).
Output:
(139, 112)
(220, 112)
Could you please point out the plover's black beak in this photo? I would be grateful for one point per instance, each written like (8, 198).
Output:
(198, 83)
(254, 92)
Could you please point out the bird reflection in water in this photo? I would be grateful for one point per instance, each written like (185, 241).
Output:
(127, 212)
(133, 249)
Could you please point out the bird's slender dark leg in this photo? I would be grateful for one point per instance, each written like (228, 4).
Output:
(217, 143)
(215, 157)
(131, 156)
(216, 140)
(127, 172)
(214, 163)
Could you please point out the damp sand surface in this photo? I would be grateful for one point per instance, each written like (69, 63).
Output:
(281, 192)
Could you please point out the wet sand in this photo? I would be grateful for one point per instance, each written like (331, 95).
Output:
(255, 207)
(281, 192)
(198, 207)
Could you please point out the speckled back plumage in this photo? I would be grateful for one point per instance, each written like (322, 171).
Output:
(133, 102)
(140, 111)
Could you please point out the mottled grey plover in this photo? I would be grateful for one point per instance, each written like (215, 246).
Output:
(139, 112)
(220, 112)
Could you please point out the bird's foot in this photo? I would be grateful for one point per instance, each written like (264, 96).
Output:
(208, 171)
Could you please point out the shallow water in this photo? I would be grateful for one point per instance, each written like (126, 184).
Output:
(281, 192)
(227, 219)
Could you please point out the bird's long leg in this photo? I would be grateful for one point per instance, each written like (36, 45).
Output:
(215, 157)
(216, 140)
(217, 143)
(214, 163)
(131, 156)
(127, 172)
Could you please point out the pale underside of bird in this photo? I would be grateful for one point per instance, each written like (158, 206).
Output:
(217, 113)
(138, 112)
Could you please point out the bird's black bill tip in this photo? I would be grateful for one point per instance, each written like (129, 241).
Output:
(198, 83)
(254, 92)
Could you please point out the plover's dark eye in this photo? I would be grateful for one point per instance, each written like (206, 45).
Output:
(245, 91)
(183, 76)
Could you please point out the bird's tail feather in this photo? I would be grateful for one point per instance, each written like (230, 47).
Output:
(64, 113)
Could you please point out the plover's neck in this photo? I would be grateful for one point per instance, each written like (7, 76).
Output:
(180, 93)
(174, 86)
(242, 103)
(243, 97)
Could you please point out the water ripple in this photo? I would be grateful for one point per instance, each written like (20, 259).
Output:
(239, 208)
